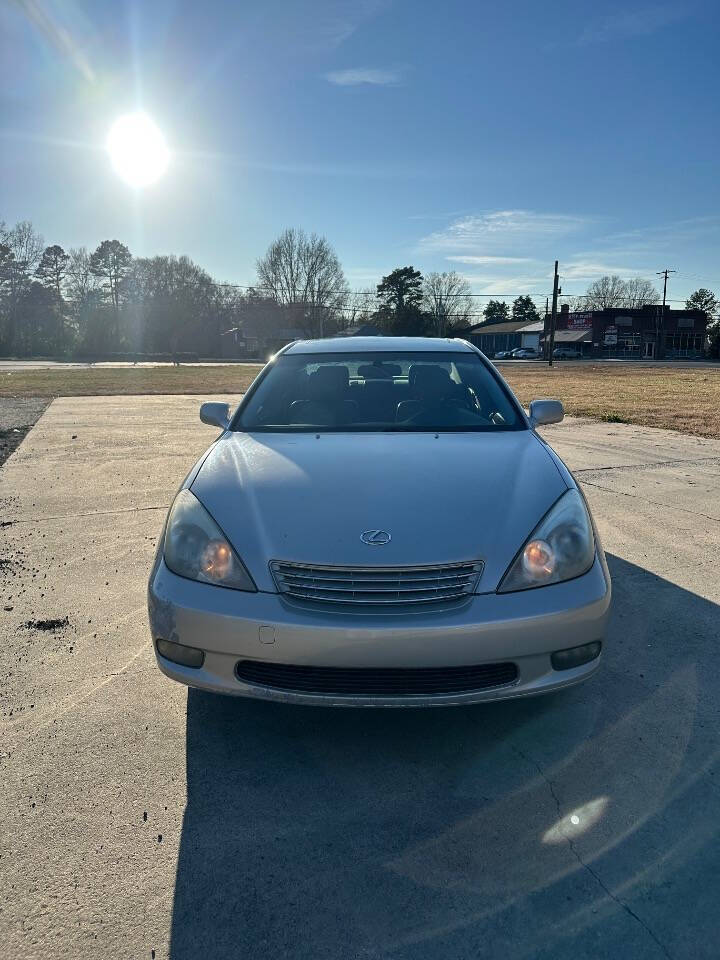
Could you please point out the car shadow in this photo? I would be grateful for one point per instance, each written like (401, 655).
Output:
(533, 828)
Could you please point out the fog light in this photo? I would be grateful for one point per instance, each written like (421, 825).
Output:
(186, 656)
(575, 656)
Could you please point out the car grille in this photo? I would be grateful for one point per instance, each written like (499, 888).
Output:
(376, 585)
(388, 682)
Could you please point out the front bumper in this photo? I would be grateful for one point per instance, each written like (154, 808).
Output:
(524, 627)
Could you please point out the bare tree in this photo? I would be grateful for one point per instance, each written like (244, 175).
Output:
(447, 299)
(22, 249)
(26, 245)
(360, 306)
(574, 304)
(639, 292)
(26, 248)
(172, 302)
(80, 281)
(305, 271)
(604, 293)
(607, 292)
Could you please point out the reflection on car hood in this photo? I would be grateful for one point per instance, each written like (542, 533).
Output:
(444, 499)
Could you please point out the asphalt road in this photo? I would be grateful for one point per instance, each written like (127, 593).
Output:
(141, 821)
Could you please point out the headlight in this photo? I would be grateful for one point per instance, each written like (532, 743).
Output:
(560, 548)
(196, 547)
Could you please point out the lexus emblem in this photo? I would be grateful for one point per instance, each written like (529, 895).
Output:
(375, 538)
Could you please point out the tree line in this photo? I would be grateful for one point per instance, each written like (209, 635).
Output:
(75, 302)
(55, 302)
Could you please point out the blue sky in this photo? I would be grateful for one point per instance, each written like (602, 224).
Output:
(484, 137)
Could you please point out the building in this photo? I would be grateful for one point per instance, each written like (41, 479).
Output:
(493, 338)
(360, 330)
(645, 333)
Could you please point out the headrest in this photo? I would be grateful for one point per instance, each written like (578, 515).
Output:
(330, 379)
(430, 380)
(374, 371)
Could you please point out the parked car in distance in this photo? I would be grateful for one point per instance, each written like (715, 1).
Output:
(566, 353)
(379, 524)
(518, 353)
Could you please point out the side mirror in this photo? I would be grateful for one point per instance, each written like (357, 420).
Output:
(216, 414)
(545, 411)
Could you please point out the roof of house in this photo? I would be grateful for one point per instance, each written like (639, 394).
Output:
(507, 326)
(379, 345)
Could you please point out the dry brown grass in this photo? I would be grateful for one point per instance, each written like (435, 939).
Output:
(113, 381)
(675, 398)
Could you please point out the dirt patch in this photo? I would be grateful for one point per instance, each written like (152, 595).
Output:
(48, 625)
(17, 417)
(10, 440)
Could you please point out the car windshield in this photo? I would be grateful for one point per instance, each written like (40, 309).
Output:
(383, 391)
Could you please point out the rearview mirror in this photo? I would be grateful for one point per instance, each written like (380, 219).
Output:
(216, 414)
(545, 411)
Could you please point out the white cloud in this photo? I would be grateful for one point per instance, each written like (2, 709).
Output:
(372, 76)
(506, 252)
(579, 269)
(331, 24)
(632, 23)
(508, 286)
(500, 228)
(479, 261)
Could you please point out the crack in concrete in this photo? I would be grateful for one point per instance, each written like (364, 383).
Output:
(95, 513)
(656, 503)
(648, 466)
(603, 886)
(28, 735)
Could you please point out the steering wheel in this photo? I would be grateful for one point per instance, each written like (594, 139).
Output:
(439, 410)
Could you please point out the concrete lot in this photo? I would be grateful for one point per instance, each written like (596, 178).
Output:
(141, 821)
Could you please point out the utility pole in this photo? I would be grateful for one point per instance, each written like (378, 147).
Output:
(660, 328)
(553, 317)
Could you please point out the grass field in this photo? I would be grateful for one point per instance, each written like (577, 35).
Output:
(112, 381)
(675, 398)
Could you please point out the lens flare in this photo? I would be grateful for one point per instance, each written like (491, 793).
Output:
(575, 823)
(137, 150)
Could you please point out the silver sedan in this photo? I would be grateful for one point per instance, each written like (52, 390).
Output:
(379, 524)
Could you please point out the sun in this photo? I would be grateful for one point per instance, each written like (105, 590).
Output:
(137, 149)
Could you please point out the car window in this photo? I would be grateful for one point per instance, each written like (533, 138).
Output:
(356, 392)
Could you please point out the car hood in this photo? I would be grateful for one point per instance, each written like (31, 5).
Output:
(443, 499)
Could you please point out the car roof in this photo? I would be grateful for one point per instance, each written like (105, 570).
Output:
(379, 345)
